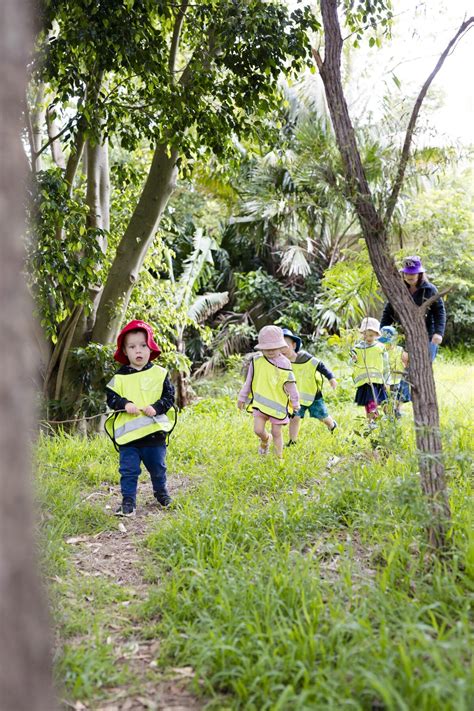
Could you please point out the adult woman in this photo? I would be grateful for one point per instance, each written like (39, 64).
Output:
(421, 290)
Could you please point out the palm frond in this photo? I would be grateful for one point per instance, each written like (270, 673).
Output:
(294, 262)
(193, 267)
(205, 305)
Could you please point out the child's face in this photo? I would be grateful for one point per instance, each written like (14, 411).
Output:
(272, 352)
(290, 347)
(136, 349)
(369, 336)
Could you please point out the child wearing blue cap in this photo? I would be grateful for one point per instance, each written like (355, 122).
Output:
(309, 372)
(398, 362)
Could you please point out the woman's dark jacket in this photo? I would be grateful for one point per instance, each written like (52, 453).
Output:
(435, 316)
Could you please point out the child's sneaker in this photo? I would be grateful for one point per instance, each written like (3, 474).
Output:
(290, 443)
(126, 508)
(164, 499)
(265, 448)
(333, 427)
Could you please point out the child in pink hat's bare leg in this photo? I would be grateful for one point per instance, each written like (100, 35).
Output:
(269, 388)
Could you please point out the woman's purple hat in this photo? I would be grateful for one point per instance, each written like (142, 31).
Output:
(412, 265)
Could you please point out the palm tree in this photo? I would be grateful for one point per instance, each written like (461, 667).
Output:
(198, 307)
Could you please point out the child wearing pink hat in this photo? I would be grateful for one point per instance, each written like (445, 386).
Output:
(371, 369)
(269, 389)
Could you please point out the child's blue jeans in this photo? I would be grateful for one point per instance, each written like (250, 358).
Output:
(154, 460)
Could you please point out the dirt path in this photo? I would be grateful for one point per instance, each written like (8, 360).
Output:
(118, 557)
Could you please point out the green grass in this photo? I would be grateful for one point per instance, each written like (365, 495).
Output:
(305, 586)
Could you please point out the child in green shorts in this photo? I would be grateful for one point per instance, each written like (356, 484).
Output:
(309, 372)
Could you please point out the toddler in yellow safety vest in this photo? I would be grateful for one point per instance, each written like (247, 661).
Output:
(398, 362)
(141, 395)
(269, 389)
(309, 372)
(370, 369)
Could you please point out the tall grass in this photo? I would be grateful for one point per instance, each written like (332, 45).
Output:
(307, 586)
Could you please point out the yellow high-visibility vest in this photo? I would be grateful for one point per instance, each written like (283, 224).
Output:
(308, 380)
(267, 388)
(371, 365)
(395, 364)
(142, 388)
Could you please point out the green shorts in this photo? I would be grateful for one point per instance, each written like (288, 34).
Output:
(317, 409)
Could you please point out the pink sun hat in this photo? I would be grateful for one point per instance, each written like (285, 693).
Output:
(370, 324)
(270, 337)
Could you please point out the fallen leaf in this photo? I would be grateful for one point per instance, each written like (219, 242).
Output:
(76, 539)
(187, 672)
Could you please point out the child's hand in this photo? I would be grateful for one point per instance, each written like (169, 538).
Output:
(333, 383)
(149, 410)
(240, 404)
(132, 409)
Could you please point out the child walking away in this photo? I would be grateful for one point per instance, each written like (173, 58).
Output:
(141, 395)
(398, 362)
(309, 372)
(269, 388)
(370, 369)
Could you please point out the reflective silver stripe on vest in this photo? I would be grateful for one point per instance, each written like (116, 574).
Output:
(369, 375)
(307, 396)
(270, 403)
(138, 423)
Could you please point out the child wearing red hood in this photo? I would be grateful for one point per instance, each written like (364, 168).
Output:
(141, 394)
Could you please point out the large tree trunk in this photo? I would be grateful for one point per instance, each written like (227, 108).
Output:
(134, 245)
(375, 230)
(25, 660)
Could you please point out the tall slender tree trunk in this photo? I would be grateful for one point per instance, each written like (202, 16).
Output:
(37, 118)
(56, 150)
(135, 243)
(68, 389)
(25, 660)
(375, 230)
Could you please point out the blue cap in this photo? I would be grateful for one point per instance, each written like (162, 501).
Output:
(294, 337)
(388, 334)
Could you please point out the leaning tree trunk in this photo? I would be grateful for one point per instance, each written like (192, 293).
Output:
(134, 245)
(25, 660)
(375, 230)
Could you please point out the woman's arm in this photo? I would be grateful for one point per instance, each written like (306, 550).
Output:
(388, 315)
(439, 317)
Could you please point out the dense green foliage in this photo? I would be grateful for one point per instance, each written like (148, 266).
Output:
(303, 586)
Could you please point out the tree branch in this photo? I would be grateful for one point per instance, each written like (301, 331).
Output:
(175, 38)
(426, 304)
(392, 200)
(54, 138)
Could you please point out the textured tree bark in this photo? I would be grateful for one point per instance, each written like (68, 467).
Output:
(25, 660)
(133, 247)
(375, 230)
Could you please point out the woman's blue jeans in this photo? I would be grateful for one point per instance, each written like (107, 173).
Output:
(433, 350)
(153, 459)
